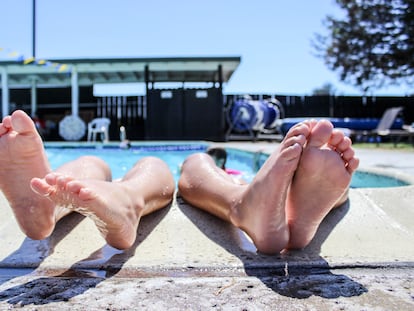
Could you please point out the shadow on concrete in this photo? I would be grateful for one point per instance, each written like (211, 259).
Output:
(81, 276)
(296, 274)
(32, 253)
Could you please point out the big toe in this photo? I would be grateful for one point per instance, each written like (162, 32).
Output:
(21, 122)
(40, 187)
(320, 134)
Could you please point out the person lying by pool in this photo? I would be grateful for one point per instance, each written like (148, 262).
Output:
(219, 156)
(40, 197)
(302, 180)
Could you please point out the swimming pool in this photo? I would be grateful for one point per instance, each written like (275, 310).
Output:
(121, 160)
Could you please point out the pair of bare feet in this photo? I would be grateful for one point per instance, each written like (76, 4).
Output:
(40, 197)
(282, 208)
(316, 163)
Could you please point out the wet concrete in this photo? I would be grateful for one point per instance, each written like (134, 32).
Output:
(361, 259)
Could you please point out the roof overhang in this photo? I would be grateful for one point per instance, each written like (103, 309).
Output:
(58, 72)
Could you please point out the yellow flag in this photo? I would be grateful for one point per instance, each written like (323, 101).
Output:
(28, 60)
(62, 67)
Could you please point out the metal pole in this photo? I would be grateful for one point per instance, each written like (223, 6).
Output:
(34, 29)
(33, 86)
(75, 92)
(33, 98)
(4, 92)
(221, 102)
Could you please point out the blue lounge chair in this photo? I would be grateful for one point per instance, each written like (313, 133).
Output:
(385, 127)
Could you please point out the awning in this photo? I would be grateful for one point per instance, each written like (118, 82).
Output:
(57, 72)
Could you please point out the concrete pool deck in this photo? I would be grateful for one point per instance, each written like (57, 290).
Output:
(184, 259)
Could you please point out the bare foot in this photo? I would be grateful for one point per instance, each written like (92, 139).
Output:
(22, 157)
(321, 181)
(113, 206)
(261, 210)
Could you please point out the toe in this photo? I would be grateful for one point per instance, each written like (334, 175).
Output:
(293, 152)
(344, 145)
(51, 178)
(336, 138)
(39, 186)
(299, 139)
(298, 129)
(21, 122)
(74, 186)
(321, 133)
(353, 165)
(62, 181)
(7, 122)
(5, 125)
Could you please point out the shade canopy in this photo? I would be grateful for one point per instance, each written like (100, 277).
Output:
(58, 72)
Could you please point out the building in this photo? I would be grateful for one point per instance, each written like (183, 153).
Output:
(53, 89)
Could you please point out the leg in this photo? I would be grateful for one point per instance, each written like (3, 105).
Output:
(22, 157)
(257, 208)
(115, 207)
(321, 181)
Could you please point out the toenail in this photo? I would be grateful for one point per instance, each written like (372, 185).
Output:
(48, 194)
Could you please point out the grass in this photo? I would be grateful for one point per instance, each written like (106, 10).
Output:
(384, 146)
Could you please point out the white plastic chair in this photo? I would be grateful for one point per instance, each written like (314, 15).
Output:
(99, 126)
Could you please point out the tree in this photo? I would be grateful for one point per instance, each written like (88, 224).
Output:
(326, 89)
(372, 45)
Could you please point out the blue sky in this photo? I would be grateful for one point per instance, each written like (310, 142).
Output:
(272, 37)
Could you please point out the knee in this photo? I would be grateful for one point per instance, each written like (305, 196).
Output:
(190, 168)
(150, 160)
(158, 167)
(154, 164)
(193, 162)
(99, 163)
(94, 159)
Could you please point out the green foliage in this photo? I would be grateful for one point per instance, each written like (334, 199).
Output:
(326, 89)
(372, 45)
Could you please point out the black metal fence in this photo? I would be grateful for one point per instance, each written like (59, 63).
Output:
(337, 106)
(132, 111)
(127, 111)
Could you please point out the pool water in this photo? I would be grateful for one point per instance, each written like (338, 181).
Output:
(372, 180)
(247, 163)
(122, 160)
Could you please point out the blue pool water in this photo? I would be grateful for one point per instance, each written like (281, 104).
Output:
(121, 160)
(247, 163)
(372, 180)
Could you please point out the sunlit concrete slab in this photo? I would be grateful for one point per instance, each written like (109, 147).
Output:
(369, 229)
